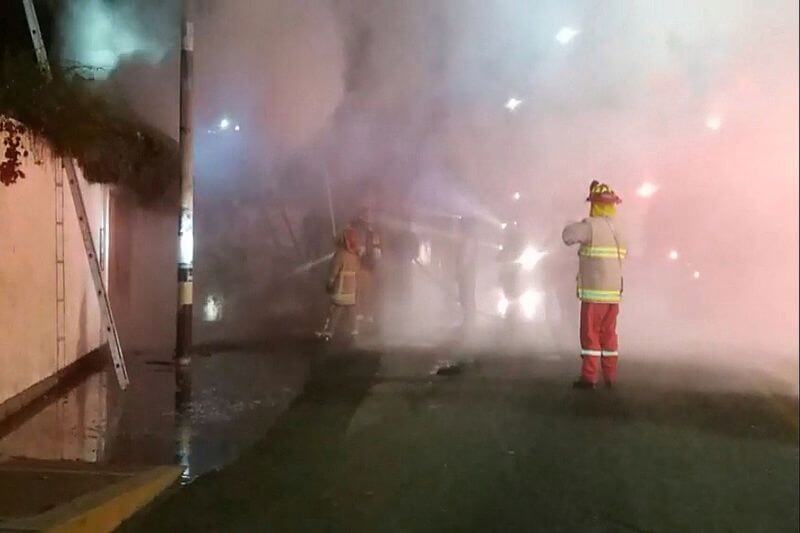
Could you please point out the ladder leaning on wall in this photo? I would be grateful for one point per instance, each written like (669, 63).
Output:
(86, 232)
(61, 286)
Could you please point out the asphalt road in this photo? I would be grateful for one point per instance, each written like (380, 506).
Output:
(375, 443)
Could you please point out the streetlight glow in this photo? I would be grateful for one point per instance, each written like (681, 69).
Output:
(502, 305)
(673, 254)
(530, 256)
(714, 123)
(529, 301)
(566, 34)
(646, 190)
(513, 103)
(224, 124)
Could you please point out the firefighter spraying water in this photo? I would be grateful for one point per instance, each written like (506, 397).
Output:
(342, 285)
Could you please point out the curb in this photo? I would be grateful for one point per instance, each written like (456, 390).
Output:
(35, 397)
(103, 510)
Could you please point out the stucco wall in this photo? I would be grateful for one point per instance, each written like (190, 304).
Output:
(28, 276)
(73, 428)
(143, 281)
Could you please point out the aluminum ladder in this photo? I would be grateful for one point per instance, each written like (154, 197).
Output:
(110, 326)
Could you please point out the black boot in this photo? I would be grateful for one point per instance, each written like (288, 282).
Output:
(583, 385)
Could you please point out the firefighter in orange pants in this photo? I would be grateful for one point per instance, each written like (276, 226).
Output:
(601, 253)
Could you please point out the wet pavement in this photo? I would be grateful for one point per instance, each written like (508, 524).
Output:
(228, 399)
(302, 437)
(378, 442)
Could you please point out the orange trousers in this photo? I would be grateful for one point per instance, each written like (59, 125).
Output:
(599, 341)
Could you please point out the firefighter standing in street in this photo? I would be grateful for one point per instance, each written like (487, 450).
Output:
(342, 285)
(599, 285)
(369, 250)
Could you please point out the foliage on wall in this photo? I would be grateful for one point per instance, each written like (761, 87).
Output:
(13, 151)
(108, 141)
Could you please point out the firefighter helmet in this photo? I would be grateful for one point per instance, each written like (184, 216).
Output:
(600, 193)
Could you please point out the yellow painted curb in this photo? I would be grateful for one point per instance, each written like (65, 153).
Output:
(104, 510)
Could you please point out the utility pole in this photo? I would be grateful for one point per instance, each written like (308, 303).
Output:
(183, 344)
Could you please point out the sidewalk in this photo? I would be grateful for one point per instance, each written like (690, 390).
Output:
(85, 457)
(74, 496)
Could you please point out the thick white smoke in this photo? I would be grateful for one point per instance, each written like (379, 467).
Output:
(278, 66)
(99, 33)
(698, 98)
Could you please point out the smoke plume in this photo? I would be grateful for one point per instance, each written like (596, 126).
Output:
(699, 100)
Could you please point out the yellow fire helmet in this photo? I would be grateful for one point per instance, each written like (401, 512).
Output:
(604, 200)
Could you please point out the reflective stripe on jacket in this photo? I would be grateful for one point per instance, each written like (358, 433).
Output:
(602, 251)
(342, 278)
(600, 272)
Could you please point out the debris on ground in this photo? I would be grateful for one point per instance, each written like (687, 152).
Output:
(448, 368)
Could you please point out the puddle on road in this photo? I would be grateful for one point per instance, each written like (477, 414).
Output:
(230, 402)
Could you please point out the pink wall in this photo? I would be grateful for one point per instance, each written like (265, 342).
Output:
(28, 275)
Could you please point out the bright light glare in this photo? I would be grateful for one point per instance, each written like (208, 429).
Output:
(186, 239)
(99, 36)
(503, 225)
(513, 103)
(529, 258)
(517, 196)
(696, 275)
(186, 244)
(673, 254)
(647, 189)
(714, 123)
(502, 305)
(236, 128)
(566, 34)
(212, 310)
(224, 124)
(529, 301)
(424, 254)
